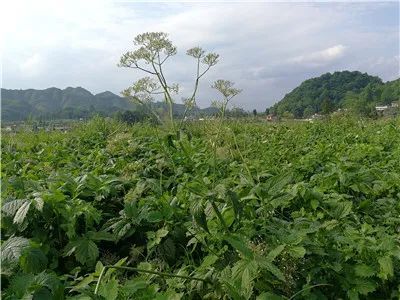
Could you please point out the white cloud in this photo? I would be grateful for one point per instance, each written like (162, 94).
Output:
(265, 48)
(320, 57)
(32, 66)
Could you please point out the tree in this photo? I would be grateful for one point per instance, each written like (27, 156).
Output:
(225, 87)
(327, 106)
(154, 50)
(308, 112)
(287, 115)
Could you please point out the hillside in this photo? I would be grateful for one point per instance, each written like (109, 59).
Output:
(329, 92)
(57, 103)
(70, 103)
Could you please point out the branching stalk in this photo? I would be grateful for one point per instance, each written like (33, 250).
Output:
(144, 271)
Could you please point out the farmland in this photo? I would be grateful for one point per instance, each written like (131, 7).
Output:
(218, 210)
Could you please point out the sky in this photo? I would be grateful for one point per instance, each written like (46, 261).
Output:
(265, 48)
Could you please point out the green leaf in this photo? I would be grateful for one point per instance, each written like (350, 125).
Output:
(343, 209)
(21, 212)
(363, 270)
(33, 260)
(239, 244)
(228, 215)
(297, 252)
(353, 295)
(269, 296)
(155, 237)
(199, 215)
(270, 267)
(100, 236)
(109, 290)
(11, 207)
(85, 250)
(364, 286)
(48, 280)
(208, 261)
(386, 267)
(246, 283)
(275, 252)
(134, 285)
(12, 249)
(20, 284)
(234, 199)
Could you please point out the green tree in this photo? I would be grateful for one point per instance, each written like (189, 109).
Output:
(308, 112)
(327, 106)
(287, 115)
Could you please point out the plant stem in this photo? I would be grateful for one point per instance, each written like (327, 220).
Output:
(308, 288)
(144, 271)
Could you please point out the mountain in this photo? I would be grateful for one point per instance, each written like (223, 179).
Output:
(56, 103)
(329, 92)
(69, 103)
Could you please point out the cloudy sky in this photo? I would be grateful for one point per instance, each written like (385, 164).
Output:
(266, 48)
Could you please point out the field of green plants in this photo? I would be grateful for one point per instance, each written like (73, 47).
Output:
(235, 210)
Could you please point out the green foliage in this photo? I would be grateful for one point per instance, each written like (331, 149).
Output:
(327, 93)
(231, 210)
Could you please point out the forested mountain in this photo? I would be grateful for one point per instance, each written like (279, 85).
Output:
(329, 92)
(69, 103)
(57, 103)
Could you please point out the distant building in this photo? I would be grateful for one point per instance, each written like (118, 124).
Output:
(381, 108)
(271, 118)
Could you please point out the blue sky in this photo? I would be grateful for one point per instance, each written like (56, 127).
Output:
(266, 48)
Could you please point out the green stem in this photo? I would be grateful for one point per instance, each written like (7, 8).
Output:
(309, 288)
(144, 271)
(100, 277)
(219, 214)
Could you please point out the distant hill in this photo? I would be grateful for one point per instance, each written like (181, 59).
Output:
(329, 92)
(69, 103)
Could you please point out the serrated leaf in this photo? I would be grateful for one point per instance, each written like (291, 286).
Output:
(246, 282)
(21, 212)
(239, 245)
(11, 207)
(343, 209)
(47, 280)
(12, 249)
(364, 286)
(363, 270)
(33, 260)
(199, 216)
(132, 286)
(297, 252)
(208, 261)
(353, 295)
(234, 199)
(386, 267)
(275, 252)
(85, 250)
(274, 270)
(38, 202)
(109, 290)
(20, 284)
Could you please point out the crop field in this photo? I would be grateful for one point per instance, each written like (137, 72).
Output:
(220, 210)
